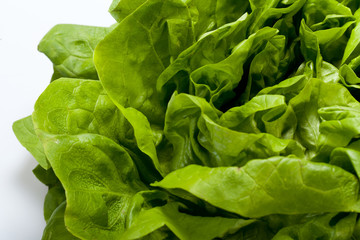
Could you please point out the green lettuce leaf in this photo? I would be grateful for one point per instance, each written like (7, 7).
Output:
(96, 171)
(25, 133)
(326, 226)
(278, 185)
(192, 129)
(55, 228)
(76, 106)
(70, 48)
(164, 29)
(56, 193)
(184, 226)
(210, 120)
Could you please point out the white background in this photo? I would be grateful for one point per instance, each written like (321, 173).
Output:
(24, 74)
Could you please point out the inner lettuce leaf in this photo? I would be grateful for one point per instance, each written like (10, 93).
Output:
(193, 119)
(192, 129)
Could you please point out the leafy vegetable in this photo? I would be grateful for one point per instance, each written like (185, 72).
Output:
(210, 120)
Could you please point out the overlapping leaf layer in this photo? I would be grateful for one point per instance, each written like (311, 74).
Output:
(202, 119)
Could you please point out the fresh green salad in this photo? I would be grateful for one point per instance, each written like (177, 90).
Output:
(200, 120)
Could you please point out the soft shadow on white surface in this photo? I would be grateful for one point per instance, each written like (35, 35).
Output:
(28, 183)
(22, 201)
(32, 194)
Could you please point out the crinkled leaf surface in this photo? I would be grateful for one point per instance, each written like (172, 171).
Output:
(75, 106)
(100, 181)
(211, 120)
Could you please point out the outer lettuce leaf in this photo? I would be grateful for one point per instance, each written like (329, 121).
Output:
(225, 11)
(82, 136)
(278, 185)
(56, 192)
(212, 14)
(205, 15)
(71, 48)
(25, 133)
(128, 70)
(95, 170)
(74, 106)
(120, 9)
